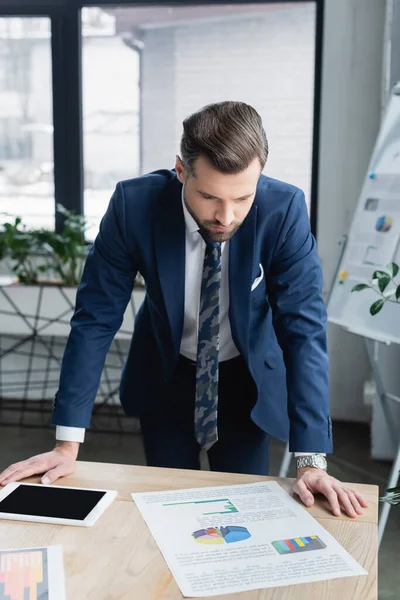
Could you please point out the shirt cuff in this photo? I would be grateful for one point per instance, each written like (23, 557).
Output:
(308, 453)
(70, 434)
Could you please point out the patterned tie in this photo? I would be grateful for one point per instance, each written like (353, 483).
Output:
(206, 403)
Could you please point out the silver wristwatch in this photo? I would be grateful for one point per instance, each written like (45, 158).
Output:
(314, 460)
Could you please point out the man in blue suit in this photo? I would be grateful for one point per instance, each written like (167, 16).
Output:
(229, 346)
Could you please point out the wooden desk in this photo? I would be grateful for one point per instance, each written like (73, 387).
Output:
(118, 559)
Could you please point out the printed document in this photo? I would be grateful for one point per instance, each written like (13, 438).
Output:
(229, 539)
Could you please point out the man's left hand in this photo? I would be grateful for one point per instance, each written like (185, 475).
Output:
(312, 481)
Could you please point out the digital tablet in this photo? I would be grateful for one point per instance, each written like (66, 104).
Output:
(53, 504)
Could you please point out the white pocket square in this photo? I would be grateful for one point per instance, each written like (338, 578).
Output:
(258, 279)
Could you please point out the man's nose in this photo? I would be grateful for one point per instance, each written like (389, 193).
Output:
(225, 215)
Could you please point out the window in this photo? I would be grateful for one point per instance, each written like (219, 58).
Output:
(110, 78)
(147, 67)
(26, 130)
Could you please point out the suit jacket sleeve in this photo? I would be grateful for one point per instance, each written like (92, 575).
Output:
(299, 317)
(101, 300)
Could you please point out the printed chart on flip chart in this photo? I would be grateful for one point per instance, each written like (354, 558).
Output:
(231, 539)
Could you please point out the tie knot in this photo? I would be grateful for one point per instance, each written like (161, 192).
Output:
(213, 245)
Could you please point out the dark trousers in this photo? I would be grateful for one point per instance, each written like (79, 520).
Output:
(168, 432)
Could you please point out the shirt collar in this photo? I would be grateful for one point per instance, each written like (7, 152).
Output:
(190, 223)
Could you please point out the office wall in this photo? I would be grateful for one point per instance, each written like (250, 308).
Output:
(351, 112)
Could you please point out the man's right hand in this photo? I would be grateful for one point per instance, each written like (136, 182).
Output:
(57, 463)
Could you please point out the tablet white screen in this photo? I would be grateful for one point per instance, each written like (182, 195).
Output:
(41, 501)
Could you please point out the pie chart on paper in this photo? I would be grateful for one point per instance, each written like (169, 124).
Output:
(221, 535)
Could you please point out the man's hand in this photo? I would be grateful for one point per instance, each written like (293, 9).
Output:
(315, 481)
(57, 463)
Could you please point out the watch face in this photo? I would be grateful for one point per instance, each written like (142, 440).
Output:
(320, 462)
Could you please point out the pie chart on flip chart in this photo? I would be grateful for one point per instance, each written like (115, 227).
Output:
(384, 224)
(221, 535)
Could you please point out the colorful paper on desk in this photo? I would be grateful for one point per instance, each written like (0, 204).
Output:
(237, 538)
(34, 573)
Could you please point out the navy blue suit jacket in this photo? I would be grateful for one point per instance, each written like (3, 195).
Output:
(279, 327)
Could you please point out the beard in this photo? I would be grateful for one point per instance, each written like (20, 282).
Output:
(208, 233)
(217, 236)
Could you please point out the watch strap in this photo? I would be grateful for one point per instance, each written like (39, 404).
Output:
(316, 461)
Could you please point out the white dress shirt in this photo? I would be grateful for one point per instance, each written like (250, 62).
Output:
(195, 249)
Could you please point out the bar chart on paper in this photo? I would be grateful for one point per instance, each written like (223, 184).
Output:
(23, 575)
(299, 544)
(220, 506)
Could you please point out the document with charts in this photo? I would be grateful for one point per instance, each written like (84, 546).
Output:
(32, 573)
(236, 538)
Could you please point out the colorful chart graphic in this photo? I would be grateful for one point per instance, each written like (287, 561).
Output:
(300, 544)
(221, 535)
(384, 224)
(222, 506)
(23, 575)
(371, 204)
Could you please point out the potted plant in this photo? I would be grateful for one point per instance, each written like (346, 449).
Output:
(385, 285)
(20, 245)
(48, 266)
(64, 253)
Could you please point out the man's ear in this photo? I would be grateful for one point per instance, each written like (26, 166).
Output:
(179, 168)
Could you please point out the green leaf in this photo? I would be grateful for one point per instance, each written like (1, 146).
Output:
(376, 307)
(382, 278)
(360, 286)
(394, 489)
(393, 269)
(379, 274)
(383, 282)
(398, 292)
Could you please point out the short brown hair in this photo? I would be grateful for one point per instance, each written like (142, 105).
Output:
(230, 134)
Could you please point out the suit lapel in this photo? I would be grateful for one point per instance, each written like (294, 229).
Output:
(169, 239)
(241, 260)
